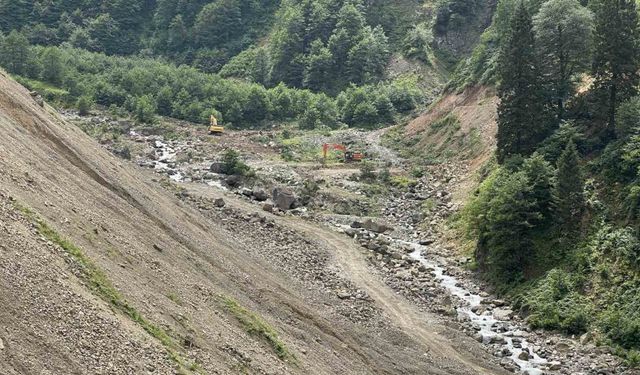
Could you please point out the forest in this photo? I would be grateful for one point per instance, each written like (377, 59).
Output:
(251, 62)
(556, 218)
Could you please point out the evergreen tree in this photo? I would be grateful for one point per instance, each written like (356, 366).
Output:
(540, 176)
(14, 14)
(318, 66)
(505, 224)
(348, 32)
(522, 123)
(563, 30)
(568, 198)
(218, 22)
(52, 66)
(616, 56)
(15, 54)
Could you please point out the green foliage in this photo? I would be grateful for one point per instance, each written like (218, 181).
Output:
(232, 165)
(522, 123)
(555, 302)
(563, 30)
(510, 210)
(628, 122)
(568, 193)
(84, 105)
(145, 109)
(255, 325)
(616, 56)
(367, 171)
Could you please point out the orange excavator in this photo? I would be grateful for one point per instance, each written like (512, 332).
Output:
(349, 156)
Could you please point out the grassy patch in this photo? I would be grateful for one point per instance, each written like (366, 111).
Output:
(48, 91)
(103, 288)
(403, 182)
(254, 325)
(450, 122)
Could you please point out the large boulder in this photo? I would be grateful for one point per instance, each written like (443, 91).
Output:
(260, 195)
(372, 226)
(283, 198)
(217, 167)
(233, 181)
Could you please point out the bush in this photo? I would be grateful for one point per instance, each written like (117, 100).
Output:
(84, 105)
(232, 165)
(367, 171)
(555, 303)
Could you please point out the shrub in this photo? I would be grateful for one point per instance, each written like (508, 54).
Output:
(555, 303)
(84, 105)
(232, 165)
(367, 171)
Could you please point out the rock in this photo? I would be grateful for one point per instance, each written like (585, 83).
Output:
(283, 198)
(217, 167)
(219, 203)
(555, 366)
(375, 227)
(233, 181)
(157, 248)
(497, 339)
(246, 192)
(586, 338)
(37, 97)
(267, 207)
(1, 345)
(503, 314)
(508, 365)
(524, 355)
(356, 225)
(343, 294)
(563, 346)
(260, 195)
(426, 242)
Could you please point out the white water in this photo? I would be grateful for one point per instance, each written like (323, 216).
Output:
(488, 325)
(167, 155)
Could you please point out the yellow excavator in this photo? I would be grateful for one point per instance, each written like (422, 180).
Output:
(214, 128)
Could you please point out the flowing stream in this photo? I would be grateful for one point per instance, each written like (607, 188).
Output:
(167, 155)
(489, 326)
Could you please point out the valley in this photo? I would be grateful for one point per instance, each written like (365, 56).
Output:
(390, 255)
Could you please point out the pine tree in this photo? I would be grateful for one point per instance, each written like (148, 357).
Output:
(14, 14)
(616, 56)
(522, 122)
(563, 30)
(568, 198)
(318, 66)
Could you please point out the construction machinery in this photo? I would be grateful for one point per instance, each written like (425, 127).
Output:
(214, 128)
(349, 156)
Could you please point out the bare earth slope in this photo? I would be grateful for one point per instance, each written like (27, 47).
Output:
(189, 295)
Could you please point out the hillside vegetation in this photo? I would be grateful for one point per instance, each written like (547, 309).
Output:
(555, 220)
(250, 62)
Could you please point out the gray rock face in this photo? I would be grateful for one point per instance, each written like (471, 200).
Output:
(283, 198)
(219, 202)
